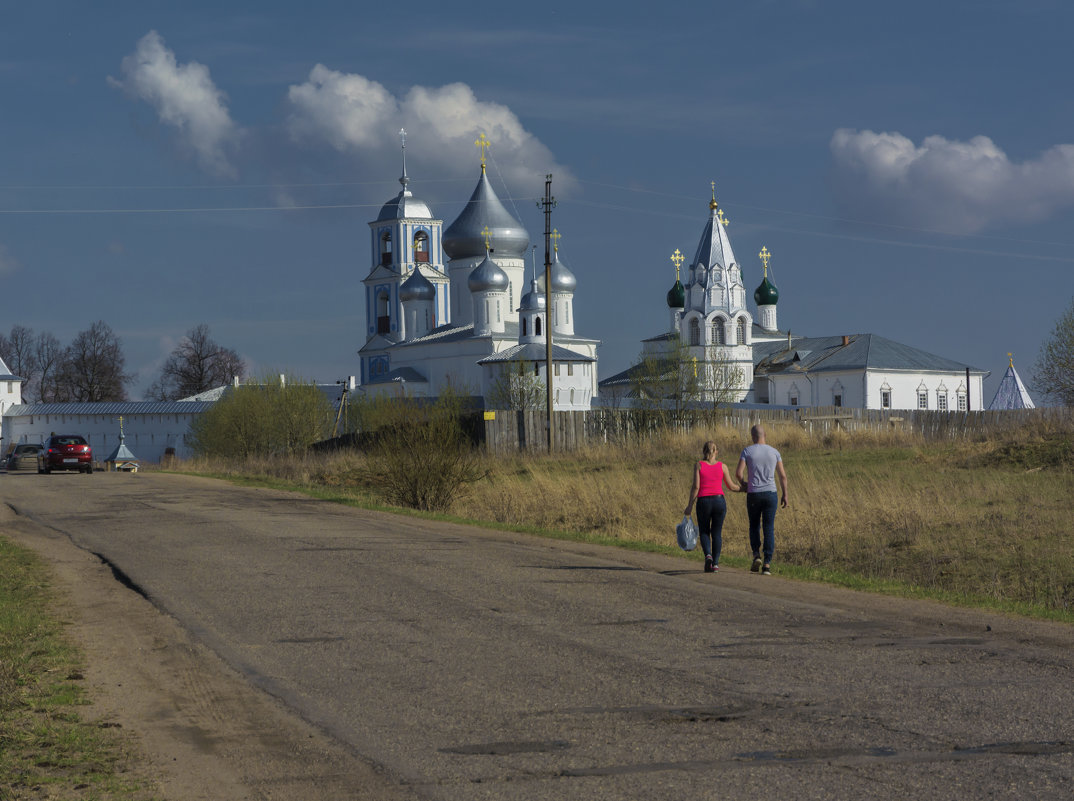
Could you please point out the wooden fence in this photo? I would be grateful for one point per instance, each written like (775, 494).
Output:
(508, 431)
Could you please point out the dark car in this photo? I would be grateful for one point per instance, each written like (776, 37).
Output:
(65, 452)
(24, 456)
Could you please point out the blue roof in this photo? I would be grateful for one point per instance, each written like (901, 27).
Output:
(111, 408)
(862, 351)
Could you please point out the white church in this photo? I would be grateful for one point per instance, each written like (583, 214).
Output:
(454, 307)
(746, 359)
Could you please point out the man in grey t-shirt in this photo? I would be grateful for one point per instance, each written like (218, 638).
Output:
(764, 466)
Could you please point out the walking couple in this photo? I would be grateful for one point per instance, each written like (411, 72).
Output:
(759, 468)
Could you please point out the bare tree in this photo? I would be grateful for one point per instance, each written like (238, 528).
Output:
(721, 379)
(47, 381)
(92, 367)
(197, 364)
(1054, 370)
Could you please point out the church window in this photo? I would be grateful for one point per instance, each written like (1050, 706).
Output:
(740, 334)
(941, 401)
(922, 399)
(717, 331)
(962, 401)
(837, 400)
(794, 400)
(695, 332)
(555, 369)
(386, 248)
(497, 311)
(537, 326)
(384, 315)
(572, 395)
(570, 370)
(524, 327)
(566, 314)
(885, 399)
(557, 397)
(421, 247)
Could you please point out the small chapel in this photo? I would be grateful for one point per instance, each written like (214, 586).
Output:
(453, 308)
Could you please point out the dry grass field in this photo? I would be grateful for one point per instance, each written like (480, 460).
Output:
(985, 522)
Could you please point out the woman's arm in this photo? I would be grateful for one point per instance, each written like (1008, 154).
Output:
(693, 492)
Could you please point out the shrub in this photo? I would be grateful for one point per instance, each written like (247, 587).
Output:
(271, 418)
(421, 456)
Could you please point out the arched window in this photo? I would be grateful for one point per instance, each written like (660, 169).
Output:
(524, 327)
(537, 326)
(384, 315)
(740, 334)
(421, 247)
(695, 332)
(717, 331)
(572, 395)
(386, 247)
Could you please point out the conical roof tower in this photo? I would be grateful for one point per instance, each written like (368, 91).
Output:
(1011, 393)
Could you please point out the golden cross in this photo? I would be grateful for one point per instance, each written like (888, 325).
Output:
(765, 256)
(555, 236)
(1009, 356)
(677, 259)
(719, 215)
(485, 232)
(483, 144)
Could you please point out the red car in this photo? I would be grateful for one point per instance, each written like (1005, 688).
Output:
(65, 452)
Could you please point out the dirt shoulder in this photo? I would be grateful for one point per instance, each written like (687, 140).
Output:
(197, 726)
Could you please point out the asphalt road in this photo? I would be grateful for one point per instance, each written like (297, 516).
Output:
(474, 664)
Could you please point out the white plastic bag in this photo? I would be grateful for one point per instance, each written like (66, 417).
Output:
(686, 532)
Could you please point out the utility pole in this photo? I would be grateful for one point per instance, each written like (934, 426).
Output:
(548, 204)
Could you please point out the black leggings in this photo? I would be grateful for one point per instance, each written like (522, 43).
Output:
(711, 510)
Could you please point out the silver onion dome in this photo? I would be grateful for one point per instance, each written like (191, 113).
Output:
(563, 280)
(405, 206)
(533, 300)
(487, 276)
(417, 287)
(465, 238)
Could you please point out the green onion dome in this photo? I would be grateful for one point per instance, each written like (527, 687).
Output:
(766, 294)
(677, 296)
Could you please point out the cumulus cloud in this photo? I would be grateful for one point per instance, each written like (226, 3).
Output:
(948, 185)
(361, 117)
(185, 98)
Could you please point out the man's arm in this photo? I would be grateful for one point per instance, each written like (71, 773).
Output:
(740, 473)
(781, 474)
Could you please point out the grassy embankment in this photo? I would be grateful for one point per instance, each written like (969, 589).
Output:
(981, 523)
(46, 749)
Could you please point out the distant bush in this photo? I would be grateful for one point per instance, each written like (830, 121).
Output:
(270, 418)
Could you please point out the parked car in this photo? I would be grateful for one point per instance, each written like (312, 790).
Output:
(24, 456)
(65, 452)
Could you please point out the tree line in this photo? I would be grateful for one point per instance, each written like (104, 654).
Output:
(92, 368)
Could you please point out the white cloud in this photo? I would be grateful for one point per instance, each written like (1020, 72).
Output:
(8, 264)
(958, 187)
(184, 97)
(361, 117)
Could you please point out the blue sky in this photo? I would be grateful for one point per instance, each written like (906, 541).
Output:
(910, 166)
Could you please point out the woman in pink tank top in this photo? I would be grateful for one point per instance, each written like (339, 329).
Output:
(710, 477)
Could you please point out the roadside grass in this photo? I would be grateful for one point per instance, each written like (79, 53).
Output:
(981, 523)
(46, 749)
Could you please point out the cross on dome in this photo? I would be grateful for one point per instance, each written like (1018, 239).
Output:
(555, 237)
(483, 144)
(765, 256)
(677, 259)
